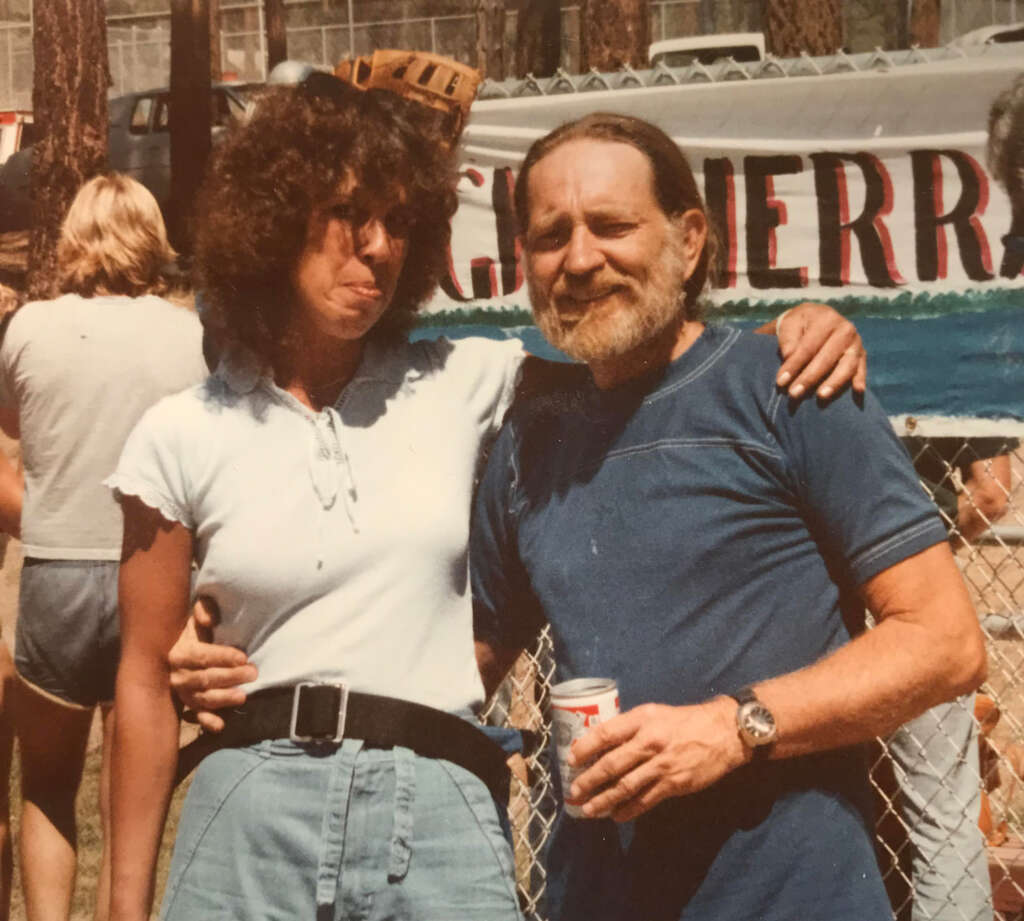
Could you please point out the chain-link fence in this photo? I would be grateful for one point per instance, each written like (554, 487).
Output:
(950, 785)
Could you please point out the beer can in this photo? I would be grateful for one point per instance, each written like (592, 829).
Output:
(578, 706)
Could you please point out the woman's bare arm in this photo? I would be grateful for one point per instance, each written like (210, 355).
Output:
(154, 600)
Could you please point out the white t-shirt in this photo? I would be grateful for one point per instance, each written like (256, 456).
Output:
(81, 372)
(335, 543)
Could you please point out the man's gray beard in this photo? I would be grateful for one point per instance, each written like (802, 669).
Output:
(660, 305)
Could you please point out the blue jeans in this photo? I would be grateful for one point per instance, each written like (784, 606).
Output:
(279, 831)
(939, 777)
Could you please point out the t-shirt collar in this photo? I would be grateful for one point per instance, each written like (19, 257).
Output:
(241, 369)
(690, 364)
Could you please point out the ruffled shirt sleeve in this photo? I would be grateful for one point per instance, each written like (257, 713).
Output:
(151, 466)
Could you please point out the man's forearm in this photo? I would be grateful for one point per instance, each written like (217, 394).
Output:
(868, 688)
(927, 648)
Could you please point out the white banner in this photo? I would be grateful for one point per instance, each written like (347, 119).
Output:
(819, 186)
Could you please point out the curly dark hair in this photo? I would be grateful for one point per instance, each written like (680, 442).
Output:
(268, 177)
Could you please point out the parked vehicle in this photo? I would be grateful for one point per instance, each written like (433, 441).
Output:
(139, 145)
(682, 52)
(16, 131)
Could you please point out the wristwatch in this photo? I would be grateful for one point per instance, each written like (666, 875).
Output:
(755, 723)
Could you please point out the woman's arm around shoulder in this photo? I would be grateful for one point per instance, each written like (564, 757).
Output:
(820, 349)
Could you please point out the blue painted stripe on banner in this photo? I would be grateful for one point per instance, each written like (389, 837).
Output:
(947, 355)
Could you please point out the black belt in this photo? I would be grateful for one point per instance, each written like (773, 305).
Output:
(327, 713)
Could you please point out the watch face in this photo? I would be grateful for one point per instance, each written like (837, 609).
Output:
(756, 723)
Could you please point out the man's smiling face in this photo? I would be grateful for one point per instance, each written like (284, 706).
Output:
(605, 264)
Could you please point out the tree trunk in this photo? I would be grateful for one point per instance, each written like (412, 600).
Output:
(490, 38)
(792, 26)
(732, 16)
(277, 36)
(614, 33)
(924, 20)
(69, 100)
(707, 16)
(216, 63)
(538, 38)
(190, 115)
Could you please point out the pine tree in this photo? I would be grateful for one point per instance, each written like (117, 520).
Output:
(69, 100)
(792, 26)
(614, 33)
(190, 115)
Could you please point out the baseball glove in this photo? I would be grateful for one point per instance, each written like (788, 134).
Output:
(430, 79)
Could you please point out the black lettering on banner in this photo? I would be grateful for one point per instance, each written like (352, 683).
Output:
(835, 226)
(484, 278)
(720, 195)
(502, 198)
(764, 214)
(449, 283)
(930, 222)
(1013, 263)
(483, 269)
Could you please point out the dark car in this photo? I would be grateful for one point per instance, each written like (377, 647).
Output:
(139, 142)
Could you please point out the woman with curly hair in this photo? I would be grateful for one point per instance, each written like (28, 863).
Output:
(77, 373)
(321, 480)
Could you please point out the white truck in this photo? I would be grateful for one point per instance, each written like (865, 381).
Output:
(742, 47)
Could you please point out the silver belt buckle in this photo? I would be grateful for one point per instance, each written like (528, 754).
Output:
(339, 730)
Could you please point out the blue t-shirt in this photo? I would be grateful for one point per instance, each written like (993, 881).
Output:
(689, 534)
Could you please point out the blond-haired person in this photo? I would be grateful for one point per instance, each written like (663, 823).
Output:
(78, 372)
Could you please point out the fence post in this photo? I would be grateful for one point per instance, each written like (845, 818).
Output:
(351, 33)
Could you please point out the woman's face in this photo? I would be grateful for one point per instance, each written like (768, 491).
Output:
(347, 272)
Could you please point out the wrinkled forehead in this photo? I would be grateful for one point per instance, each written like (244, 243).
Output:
(589, 174)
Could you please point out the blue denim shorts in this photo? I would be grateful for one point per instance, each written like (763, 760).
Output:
(277, 830)
(67, 639)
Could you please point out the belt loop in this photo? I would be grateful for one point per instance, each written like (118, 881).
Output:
(405, 798)
(332, 831)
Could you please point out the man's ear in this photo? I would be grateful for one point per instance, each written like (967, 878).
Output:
(693, 226)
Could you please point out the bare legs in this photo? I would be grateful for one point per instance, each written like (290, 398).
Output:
(52, 740)
(103, 884)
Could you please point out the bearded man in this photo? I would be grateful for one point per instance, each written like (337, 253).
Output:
(711, 545)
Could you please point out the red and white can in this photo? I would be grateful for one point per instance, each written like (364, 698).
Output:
(578, 706)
